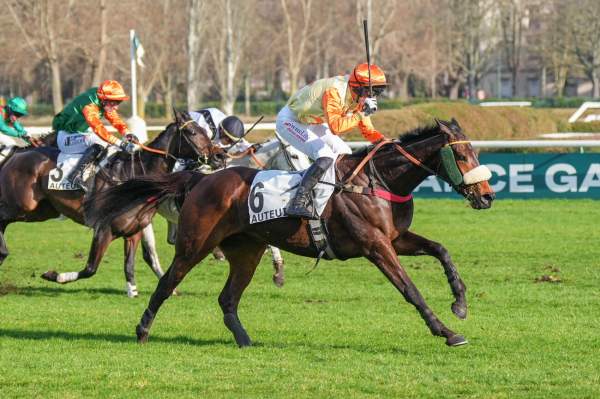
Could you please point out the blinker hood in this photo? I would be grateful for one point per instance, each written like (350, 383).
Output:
(450, 166)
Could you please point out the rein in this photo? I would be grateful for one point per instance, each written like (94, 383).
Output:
(387, 194)
(249, 151)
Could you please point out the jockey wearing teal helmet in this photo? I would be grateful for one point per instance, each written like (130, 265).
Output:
(9, 126)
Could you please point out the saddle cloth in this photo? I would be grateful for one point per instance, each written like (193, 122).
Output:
(57, 178)
(65, 163)
(272, 190)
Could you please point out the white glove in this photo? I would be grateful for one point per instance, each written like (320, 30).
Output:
(129, 147)
(370, 106)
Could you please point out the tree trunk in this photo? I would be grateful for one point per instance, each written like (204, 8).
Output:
(228, 100)
(193, 42)
(543, 83)
(247, 94)
(454, 90)
(57, 101)
(101, 60)
(168, 99)
(595, 78)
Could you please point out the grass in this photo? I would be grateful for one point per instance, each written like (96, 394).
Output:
(341, 331)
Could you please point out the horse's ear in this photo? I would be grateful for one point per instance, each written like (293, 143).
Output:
(454, 123)
(443, 126)
(176, 115)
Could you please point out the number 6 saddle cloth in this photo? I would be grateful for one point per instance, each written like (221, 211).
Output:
(272, 190)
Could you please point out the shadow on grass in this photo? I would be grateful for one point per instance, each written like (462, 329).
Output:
(54, 291)
(186, 340)
(106, 337)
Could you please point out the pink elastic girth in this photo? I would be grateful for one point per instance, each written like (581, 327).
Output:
(386, 195)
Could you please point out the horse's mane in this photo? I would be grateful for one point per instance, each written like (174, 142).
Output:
(409, 137)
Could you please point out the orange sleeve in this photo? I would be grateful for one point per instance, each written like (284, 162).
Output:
(368, 131)
(334, 114)
(91, 113)
(117, 122)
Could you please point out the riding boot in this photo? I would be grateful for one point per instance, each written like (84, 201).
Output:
(299, 205)
(5, 152)
(89, 156)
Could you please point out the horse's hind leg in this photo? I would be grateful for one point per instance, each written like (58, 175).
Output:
(3, 248)
(243, 254)
(413, 245)
(149, 251)
(277, 259)
(130, 246)
(100, 243)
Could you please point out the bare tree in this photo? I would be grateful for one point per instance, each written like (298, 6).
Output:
(513, 18)
(196, 53)
(586, 40)
(38, 24)
(298, 29)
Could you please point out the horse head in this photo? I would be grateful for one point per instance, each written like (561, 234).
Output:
(192, 142)
(459, 166)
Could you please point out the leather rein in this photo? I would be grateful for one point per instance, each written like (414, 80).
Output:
(386, 194)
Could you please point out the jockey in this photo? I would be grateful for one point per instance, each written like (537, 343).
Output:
(225, 131)
(85, 111)
(9, 126)
(317, 114)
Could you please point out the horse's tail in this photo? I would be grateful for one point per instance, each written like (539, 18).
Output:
(138, 195)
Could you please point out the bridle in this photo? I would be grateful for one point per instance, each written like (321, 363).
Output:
(347, 185)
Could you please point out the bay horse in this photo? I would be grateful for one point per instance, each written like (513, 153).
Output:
(368, 216)
(272, 154)
(24, 196)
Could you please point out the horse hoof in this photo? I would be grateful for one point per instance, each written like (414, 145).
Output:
(176, 293)
(50, 275)
(459, 310)
(456, 340)
(142, 334)
(278, 279)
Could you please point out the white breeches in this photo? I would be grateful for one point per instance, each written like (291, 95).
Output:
(315, 141)
(77, 143)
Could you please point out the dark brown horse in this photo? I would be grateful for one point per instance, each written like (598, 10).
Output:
(360, 223)
(24, 196)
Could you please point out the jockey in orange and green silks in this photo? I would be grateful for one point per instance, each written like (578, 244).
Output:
(9, 115)
(80, 128)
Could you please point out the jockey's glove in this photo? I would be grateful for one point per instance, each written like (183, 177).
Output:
(26, 137)
(369, 106)
(129, 147)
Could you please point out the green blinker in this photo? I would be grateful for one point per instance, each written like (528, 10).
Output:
(450, 166)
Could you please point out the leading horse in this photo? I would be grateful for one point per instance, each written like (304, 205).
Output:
(369, 216)
(25, 197)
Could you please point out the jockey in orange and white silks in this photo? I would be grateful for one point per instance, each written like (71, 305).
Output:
(319, 113)
(80, 128)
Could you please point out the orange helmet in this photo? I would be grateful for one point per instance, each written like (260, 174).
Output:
(360, 76)
(111, 90)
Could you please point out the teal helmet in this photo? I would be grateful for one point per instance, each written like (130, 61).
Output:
(18, 105)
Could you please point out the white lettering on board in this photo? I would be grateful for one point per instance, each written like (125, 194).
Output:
(518, 178)
(567, 182)
(499, 171)
(591, 179)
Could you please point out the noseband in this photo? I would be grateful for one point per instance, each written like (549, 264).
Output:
(203, 158)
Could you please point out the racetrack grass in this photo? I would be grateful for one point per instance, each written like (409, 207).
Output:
(341, 331)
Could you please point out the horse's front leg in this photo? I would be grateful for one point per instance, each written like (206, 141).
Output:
(130, 247)
(413, 245)
(277, 259)
(382, 253)
(100, 243)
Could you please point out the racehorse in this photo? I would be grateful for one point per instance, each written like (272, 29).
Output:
(24, 195)
(368, 216)
(272, 154)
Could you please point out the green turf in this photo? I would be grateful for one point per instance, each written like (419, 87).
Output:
(341, 331)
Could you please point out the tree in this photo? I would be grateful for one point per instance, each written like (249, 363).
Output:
(38, 24)
(196, 53)
(586, 40)
(298, 31)
(513, 17)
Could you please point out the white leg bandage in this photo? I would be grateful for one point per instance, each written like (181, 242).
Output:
(132, 291)
(67, 277)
